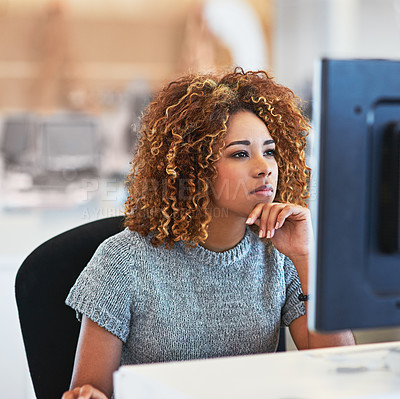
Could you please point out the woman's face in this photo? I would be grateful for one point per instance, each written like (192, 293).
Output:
(247, 172)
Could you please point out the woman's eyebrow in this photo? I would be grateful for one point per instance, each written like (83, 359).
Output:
(246, 142)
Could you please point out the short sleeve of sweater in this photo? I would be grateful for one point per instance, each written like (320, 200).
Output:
(103, 290)
(293, 307)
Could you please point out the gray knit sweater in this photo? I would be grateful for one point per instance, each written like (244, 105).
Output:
(182, 304)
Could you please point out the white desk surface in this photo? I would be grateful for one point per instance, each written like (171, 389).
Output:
(363, 371)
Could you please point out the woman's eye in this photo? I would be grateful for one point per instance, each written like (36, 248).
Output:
(270, 153)
(240, 154)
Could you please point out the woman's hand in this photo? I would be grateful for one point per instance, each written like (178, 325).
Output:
(287, 225)
(84, 392)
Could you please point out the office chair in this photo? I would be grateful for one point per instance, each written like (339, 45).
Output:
(50, 329)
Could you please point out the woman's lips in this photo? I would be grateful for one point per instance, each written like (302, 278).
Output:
(265, 189)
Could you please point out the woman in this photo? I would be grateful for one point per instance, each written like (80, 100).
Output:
(215, 255)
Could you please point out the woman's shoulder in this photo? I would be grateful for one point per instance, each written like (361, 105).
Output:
(124, 238)
(124, 244)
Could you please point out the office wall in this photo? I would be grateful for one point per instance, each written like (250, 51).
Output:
(306, 30)
(54, 53)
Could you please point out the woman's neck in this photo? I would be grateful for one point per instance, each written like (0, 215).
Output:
(224, 233)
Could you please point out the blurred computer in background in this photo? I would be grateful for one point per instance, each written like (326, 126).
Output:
(45, 158)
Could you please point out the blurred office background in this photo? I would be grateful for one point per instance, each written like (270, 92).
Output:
(75, 76)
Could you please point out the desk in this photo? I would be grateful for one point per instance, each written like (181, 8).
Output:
(363, 371)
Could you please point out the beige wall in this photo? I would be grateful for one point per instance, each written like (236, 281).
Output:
(89, 49)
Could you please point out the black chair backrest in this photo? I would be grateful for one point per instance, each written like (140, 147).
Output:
(50, 329)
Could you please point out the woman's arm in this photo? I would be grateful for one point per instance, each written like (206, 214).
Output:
(98, 355)
(302, 336)
(306, 339)
(290, 230)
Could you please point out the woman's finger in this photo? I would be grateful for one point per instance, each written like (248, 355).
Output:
(255, 214)
(268, 219)
(265, 214)
(283, 215)
(89, 392)
(84, 392)
(73, 394)
(272, 223)
(265, 217)
(294, 212)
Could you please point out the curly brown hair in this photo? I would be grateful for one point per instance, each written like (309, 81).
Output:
(181, 137)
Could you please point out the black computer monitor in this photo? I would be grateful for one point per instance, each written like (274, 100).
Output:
(355, 273)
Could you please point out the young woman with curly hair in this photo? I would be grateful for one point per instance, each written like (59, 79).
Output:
(214, 257)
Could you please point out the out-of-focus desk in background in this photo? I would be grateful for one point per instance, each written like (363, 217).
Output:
(366, 371)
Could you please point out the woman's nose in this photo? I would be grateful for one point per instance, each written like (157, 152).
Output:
(262, 167)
